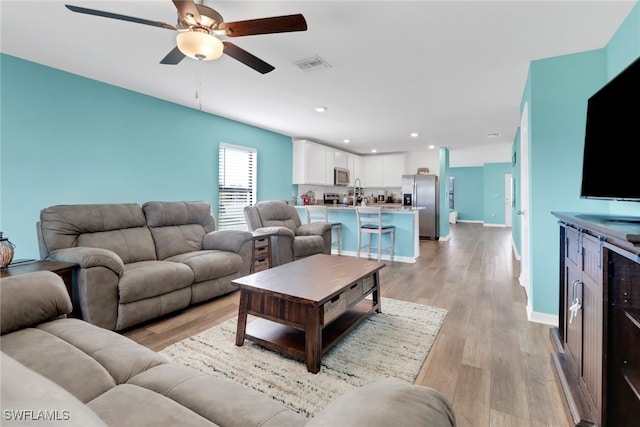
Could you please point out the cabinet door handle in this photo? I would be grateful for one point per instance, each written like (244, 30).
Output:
(574, 284)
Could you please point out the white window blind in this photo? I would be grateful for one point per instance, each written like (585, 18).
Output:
(236, 185)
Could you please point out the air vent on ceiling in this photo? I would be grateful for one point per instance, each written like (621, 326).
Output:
(312, 63)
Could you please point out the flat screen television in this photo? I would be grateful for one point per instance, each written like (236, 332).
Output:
(611, 164)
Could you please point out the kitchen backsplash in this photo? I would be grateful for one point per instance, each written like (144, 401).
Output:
(317, 191)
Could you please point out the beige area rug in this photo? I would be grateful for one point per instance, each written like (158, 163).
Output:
(390, 345)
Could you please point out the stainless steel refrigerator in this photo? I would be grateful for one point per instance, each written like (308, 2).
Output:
(421, 191)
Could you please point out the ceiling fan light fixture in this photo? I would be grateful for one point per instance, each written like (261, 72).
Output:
(199, 45)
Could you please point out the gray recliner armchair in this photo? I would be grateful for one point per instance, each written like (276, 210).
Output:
(293, 240)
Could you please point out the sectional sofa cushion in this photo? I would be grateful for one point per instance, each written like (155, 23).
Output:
(120, 228)
(208, 265)
(148, 279)
(28, 398)
(178, 227)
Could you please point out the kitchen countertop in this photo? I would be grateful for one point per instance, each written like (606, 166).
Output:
(406, 242)
(386, 207)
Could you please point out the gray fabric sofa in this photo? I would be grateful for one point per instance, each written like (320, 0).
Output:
(293, 240)
(140, 262)
(63, 371)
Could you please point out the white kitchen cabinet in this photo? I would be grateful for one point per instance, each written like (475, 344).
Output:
(309, 163)
(392, 170)
(340, 159)
(383, 170)
(372, 171)
(314, 163)
(354, 164)
(329, 165)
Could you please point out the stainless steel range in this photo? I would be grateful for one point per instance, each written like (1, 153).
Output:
(331, 198)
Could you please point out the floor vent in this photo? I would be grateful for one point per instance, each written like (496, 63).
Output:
(312, 63)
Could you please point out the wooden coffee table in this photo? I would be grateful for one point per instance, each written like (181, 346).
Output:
(306, 307)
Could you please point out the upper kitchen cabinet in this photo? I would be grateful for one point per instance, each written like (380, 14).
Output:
(314, 163)
(329, 165)
(383, 170)
(372, 171)
(354, 164)
(392, 170)
(310, 163)
(340, 159)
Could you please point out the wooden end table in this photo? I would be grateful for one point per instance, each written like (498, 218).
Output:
(261, 251)
(306, 307)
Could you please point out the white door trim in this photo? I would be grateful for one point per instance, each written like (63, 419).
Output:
(525, 263)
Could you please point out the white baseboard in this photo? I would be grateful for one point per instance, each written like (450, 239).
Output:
(515, 250)
(385, 257)
(547, 319)
(445, 238)
(470, 220)
(494, 225)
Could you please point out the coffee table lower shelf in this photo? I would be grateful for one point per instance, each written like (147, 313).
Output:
(291, 341)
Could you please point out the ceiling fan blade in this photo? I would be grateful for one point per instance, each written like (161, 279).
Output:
(276, 24)
(246, 58)
(173, 57)
(187, 8)
(120, 17)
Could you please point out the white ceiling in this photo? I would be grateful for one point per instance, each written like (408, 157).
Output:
(453, 71)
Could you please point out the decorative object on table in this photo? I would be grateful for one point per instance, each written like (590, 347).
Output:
(6, 251)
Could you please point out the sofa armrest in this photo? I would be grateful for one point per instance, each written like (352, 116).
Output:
(387, 403)
(89, 257)
(277, 230)
(32, 298)
(226, 240)
(313, 229)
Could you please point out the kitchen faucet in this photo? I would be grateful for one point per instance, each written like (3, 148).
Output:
(355, 195)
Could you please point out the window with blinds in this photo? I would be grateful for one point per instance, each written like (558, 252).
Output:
(236, 185)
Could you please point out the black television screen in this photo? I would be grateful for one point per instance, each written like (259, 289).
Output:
(612, 139)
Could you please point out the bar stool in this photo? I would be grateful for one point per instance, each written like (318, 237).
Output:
(370, 222)
(318, 213)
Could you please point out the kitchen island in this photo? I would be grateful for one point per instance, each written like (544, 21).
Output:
(406, 245)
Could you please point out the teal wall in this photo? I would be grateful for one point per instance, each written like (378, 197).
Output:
(468, 187)
(67, 140)
(479, 192)
(557, 91)
(494, 192)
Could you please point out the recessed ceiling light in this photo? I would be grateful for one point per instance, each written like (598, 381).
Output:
(493, 135)
(346, 141)
(414, 134)
(373, 150)
(431, 147)
(321, 109)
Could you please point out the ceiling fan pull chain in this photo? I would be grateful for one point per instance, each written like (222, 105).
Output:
(197, 85)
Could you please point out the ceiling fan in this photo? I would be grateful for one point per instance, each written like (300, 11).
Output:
(199, 27)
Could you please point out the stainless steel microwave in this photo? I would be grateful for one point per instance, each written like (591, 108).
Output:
(341, 176)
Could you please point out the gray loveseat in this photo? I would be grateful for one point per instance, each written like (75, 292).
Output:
(72, 373)
(292, 240)
(141, 262)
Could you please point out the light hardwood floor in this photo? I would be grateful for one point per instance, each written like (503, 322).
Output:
(492, 364)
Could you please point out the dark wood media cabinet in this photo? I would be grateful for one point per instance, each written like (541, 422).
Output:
(597, 357)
